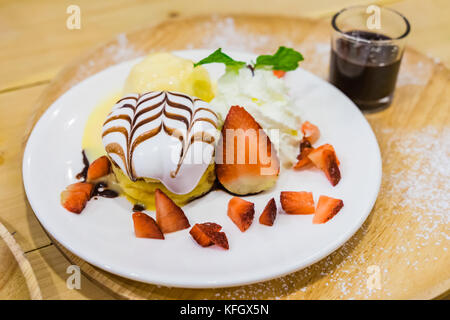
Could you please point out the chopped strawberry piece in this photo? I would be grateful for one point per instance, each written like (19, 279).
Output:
(207, 234)
(297, 202)
(279, 73)
(269, 213)
(304, 144)
(246, 161)
(327, 208)
(310, 132)
(99, 168)
(146, 227)
(303, 160)
(324, 157)
(169, 216)
(241, 212)
(76, 195)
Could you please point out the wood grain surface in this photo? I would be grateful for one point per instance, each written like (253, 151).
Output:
(392, 241)
(17, 279)
(35, 45)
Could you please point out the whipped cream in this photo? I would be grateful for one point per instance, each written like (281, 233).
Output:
(162, 135)
(266, 98)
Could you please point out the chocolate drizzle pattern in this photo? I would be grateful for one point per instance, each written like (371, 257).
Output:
(139, 118)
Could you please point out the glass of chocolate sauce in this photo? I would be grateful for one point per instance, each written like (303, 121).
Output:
(366, 50)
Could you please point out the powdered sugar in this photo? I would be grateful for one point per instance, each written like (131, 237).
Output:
(416, 187)
(226, 35)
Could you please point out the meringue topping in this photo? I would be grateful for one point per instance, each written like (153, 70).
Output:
(162, 135)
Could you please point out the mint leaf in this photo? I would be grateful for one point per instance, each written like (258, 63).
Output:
(219, 57)
(285, 59)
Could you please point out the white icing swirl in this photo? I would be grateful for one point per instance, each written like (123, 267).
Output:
(162, 135)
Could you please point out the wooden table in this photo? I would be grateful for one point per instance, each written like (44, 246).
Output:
(34, 47)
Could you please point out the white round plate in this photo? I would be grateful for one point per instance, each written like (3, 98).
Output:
(103, 233)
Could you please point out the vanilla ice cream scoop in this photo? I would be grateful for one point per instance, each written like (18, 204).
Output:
(165, 71)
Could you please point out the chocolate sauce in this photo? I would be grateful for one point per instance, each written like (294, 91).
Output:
(365, 72)
(100, 189)
(83, 173)
(138, 208)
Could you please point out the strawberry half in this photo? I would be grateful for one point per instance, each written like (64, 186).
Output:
(241, 212)
(324, 157)
(208, 233)
(269, 213)
(310, 132)
(76, 195)
(297, 202)
(169, 216)
(99, 168)
(246, 161)
(146, 227)
(327, 208)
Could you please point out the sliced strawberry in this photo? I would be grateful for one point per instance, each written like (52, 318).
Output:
(324, 157)
(310, 132)
(207, 234)
(246, 161)
(303, 160)
(327, 208)
(269, 213)
(169, 216)
(241, 212)
(99, 168)
(279, 73)
(76, 195)
(146, 227)
(297, 202)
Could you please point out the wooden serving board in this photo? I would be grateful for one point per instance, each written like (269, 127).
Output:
(17, 279)
(401, 251)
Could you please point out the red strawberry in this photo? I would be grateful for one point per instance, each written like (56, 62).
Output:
(99, 168)
(76, 195)
(310, 132)
(300, 202)
(146, 227)
(327, 208)
(241, 212)
(303, 160)
(279, 73)
(169, 216)
(269, 213)
(324, 157)
(207, 234)
(246, 161)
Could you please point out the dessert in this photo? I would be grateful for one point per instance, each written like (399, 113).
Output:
(165, 71)
(246, 161)
(208, 234)
(157, 144)
(99, 168)
(264, 95)
(297, 202)
(327, 208)
(76, 196)
(169, 216)
(310, 132)
(269, 213)
(241, 212)
(162, 140)
(324, 158)
(146, 227)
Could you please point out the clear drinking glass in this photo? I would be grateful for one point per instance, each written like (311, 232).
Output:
(366, 50)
